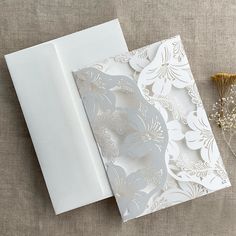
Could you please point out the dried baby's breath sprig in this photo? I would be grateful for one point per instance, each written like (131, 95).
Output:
(223, 82)
(228, 120)
(224, 114)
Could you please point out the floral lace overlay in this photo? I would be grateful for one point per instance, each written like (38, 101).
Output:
(151, 128)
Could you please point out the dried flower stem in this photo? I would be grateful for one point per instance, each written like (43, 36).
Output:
(223, 82)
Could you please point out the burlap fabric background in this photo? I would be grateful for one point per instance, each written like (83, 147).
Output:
(208, 31)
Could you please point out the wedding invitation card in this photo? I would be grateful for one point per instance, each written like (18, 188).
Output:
(151, 128)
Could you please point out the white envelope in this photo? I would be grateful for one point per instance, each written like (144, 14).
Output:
(63, 141)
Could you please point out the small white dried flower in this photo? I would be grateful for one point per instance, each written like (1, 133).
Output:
(224, 114)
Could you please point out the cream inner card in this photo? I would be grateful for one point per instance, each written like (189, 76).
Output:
(151, 128)
(54, 113)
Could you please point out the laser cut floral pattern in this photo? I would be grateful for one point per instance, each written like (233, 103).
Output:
(128, 190)
(97, 92)
(148, 134)
(145, 136)
(184, 191)
(201, 136)
(165, 71)
(156, 155)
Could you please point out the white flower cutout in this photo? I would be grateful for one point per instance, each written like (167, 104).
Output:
(201, 136)
(148, 133)
(96, 87)
(165, 70)
(174, 133)
(95, 90)
(128, 190)
(142, 57)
